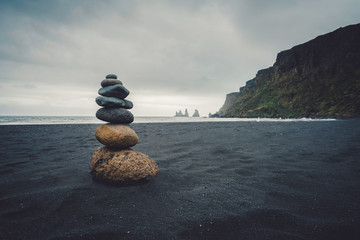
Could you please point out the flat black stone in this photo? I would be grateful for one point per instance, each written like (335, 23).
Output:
(112, 102)
(110, 82)
(115, 115)
(111, 76)
(118, 91)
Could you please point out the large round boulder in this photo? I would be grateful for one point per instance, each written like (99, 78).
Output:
(115, 115)
(121, 166)
(116, 136)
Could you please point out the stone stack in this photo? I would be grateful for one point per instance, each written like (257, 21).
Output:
(116, 162)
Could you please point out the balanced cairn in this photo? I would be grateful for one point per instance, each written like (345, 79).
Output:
(116, 162)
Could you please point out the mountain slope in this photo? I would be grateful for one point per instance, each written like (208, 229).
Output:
(320, 78)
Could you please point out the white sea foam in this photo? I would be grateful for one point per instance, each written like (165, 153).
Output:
(38, 120)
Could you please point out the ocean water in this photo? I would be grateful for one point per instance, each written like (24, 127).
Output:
(39, 120)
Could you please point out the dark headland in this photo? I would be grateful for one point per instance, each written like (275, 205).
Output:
(318, 79)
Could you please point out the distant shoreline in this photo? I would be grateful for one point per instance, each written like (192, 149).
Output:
(58, 120)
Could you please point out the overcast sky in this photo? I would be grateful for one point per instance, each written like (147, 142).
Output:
(171, 55)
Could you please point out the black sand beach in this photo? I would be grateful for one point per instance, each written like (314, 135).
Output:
(233, 180)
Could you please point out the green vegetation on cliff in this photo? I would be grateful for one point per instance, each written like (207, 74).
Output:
(320, 78)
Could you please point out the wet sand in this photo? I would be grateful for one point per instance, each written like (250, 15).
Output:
(233, 180)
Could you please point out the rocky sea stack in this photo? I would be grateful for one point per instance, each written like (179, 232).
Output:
(116, 162)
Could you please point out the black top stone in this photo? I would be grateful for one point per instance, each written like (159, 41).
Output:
(111, 76)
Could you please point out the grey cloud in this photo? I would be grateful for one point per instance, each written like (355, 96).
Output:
(283, 24)
(198, 50)
(25, 86)
(55, 10)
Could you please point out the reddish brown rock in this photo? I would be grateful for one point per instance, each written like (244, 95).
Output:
(116, 136)
(121, 166)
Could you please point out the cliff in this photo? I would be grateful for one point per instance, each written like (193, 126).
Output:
(320, 78)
